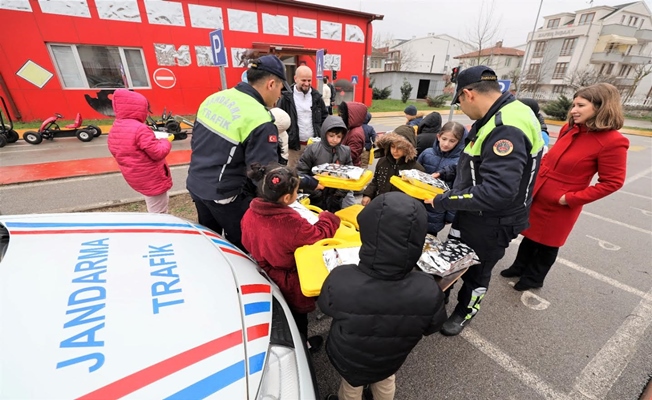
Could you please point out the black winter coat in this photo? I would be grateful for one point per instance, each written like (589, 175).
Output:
(382, 307)
(319, 114)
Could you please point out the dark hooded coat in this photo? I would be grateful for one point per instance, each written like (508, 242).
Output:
(382, 307)
(387, 166)
(427, 132)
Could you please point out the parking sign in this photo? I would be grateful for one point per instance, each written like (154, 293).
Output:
(504, 85)
(219, 50)
(320, 64)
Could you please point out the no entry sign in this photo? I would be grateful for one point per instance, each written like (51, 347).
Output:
(164, 78)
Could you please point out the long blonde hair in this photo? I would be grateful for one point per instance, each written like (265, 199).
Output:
(608, 110)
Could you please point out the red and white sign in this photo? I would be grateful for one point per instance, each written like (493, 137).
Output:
(164, 78)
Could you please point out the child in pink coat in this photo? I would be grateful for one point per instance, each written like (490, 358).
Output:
(140, 155)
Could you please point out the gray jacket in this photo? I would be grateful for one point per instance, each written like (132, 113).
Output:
(322, 152)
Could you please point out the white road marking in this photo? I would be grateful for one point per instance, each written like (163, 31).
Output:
(642, 174)
(599, 375)
(531, 300)
(634, 194)
(613, 221)
(645, 212)
(605, 279)
(604, 244)
(521, 372)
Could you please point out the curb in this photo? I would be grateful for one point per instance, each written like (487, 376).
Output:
(627, 131)
(111, 203)
(647, 392)
(387, 114)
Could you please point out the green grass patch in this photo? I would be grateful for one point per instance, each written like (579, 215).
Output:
(397, 105)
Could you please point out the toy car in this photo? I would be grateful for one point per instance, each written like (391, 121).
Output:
(141, 306)
(49, 129)
(7, 132)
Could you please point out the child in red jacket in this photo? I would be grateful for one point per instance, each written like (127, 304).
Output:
(272, 231)
(139, 154)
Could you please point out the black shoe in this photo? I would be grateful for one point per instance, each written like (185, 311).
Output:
(453, 325)
(521, 286)
(315, 343)
(510, 272)
(332, 397)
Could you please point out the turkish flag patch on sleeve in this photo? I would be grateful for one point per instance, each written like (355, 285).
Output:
(272, 138)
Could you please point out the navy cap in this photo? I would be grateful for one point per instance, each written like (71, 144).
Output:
(271, 64)
(479, 73)
(410, 110)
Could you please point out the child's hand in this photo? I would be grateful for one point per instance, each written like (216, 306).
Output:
(436, 175)
(365, 200)
(171, 137)
(430, 201)
(319, 187)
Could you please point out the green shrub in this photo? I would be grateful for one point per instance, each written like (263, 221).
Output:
(381, 94)
(558, 109)
(437, 101)
(406, 90)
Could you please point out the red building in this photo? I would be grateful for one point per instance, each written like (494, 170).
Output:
(69, 56)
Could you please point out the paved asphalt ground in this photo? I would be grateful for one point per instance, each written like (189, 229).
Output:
(585, 335)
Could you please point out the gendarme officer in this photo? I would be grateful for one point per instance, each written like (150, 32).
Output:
(493, 185)
(234, 130)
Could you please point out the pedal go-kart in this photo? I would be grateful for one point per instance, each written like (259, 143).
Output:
(49, 129)
(168, 124)
(7, 132)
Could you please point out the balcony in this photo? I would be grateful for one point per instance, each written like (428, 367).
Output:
(617, 29)
(614, 56)
(624, 81)
(636, 59)
(643, 35)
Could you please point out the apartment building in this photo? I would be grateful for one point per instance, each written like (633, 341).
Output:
(505, 61)
(571, 48)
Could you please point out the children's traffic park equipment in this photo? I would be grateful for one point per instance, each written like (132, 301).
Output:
(7, 132)
(310, 264)
(346, 184)
(350, 214)
(167, 124)
(418, 192)
(49, 129)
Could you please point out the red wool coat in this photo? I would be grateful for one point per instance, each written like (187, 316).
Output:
(272, 232)
(567, 169)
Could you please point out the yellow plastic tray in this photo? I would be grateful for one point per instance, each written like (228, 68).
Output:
(414, 191)
(346, 184)
(350, 214)
(346, 232)
(310, 264)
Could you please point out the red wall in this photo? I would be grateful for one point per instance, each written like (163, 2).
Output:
(30, 31)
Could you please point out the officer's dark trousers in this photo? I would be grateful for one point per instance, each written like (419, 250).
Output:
(227, 217)
(534, 261)
(489, 239)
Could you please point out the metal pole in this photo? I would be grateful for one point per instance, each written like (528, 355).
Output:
(223, 77)
(527, 50)
(450, 114)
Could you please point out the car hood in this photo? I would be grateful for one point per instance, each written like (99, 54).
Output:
(108, 305)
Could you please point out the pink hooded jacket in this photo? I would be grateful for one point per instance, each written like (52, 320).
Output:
(140, 155)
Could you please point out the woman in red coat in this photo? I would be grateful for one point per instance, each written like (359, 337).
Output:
(588, 144)
(272, 231)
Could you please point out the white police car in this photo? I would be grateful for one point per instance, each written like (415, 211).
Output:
(108, 305)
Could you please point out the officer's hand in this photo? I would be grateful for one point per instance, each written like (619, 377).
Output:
(365, 200)
(430, 201)
(319, 187)
(436, 175)
(562, 200)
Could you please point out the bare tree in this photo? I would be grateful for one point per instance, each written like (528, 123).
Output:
(536, 73)
(640, 72)
(482, 33)
(587, 76)
(514, 76)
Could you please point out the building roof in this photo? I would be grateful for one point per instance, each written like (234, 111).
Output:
(617, 8)
(295, 3)
(497, 50)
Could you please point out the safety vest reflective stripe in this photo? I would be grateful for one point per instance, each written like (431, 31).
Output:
(232, 115)
(514, 114)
